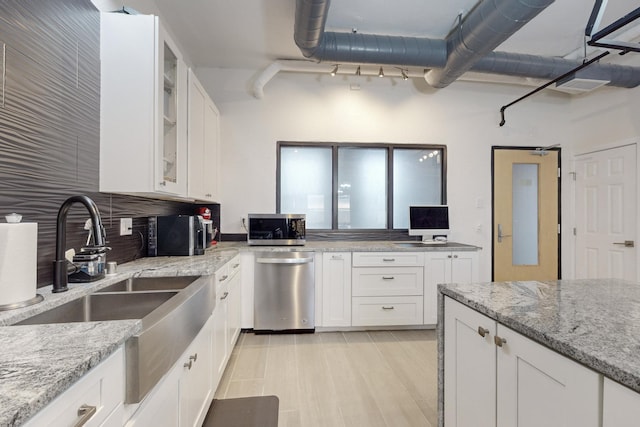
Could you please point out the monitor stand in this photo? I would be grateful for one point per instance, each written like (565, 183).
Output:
(435, 240)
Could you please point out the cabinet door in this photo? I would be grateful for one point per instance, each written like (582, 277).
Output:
(196, 381)
(233, 304)
(470, 368)
(211, 155)
(621, 405)
(464, 267)
(220, 341)
(336, 289)
(539, 387)
(161, 406)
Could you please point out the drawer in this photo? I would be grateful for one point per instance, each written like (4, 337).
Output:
(380, 259)
(102, 388)
(387, 311)
(221, 276)
(384, 281)
(233, 266)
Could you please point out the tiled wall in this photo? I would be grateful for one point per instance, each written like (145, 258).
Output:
(50, 129)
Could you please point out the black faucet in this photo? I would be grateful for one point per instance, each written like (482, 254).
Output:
(60, 263)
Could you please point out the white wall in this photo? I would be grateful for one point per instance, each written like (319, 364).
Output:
(304, 107)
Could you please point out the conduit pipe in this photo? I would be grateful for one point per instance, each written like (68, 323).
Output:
(466, 48)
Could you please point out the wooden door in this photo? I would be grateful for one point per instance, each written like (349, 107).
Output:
(606, 214)
(470, 367)
(525, 214)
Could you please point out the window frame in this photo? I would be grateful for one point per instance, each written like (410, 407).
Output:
(389, 148)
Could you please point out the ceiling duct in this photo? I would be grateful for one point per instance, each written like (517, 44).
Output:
(467, 48)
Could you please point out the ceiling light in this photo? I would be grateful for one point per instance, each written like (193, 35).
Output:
(404, 74)
(335, 70)
(380, 73)
(358, 71)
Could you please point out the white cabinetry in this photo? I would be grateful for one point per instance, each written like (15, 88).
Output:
(203, 142)
(621, 405)
(226, 323)
(387, 288)
(96, 398)
(446, 267)
(143, 129)
(497, 377)
(336, 289)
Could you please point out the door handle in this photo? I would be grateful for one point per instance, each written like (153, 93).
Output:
(500, 235)
(626, 243)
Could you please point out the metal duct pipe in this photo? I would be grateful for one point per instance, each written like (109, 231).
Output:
(468, 47)
(484, 28)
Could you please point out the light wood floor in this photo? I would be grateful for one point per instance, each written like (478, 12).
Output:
(334, 379)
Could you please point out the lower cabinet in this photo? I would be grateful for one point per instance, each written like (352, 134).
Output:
(183, 396)
(95, 400)
(336, 289)
(621, 405)
(494, 376)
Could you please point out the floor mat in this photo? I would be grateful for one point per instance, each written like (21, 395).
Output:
(259, 411)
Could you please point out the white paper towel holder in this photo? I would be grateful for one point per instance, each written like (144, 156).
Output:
(13, 306)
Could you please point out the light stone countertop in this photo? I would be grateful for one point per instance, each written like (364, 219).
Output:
(39, 362)
(594, 322)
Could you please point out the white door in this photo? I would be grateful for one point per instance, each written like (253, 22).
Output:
(606, 214)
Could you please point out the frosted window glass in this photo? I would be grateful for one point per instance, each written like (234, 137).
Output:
(362, 188)
(417, 180)
(525, 214)
(305, 184)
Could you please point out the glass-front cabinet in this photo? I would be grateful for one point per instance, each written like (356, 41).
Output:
(143, 149)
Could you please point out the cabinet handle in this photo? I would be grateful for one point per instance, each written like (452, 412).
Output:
(482, 331)
(388, 277)
(388, 259)
(388, 308)
(188, 364)
(163, 183)
(85, 412)
(223, 278)
(194, 357)
(499, 341)
(224, 296)
(336, 256)
(448, 256)
(455, 256)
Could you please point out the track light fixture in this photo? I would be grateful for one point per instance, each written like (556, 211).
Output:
(380, 73)
(358, 71)
(334, 71)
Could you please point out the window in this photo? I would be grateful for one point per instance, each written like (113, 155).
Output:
(358, 186)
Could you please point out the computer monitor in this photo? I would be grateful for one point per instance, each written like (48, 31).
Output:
(429, 221)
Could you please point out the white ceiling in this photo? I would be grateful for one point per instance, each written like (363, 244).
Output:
(253, 33)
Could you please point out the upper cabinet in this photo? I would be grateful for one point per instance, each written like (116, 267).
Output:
(143, 145)
(204, 143)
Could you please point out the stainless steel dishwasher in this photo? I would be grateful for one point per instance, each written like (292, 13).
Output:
(284, 295)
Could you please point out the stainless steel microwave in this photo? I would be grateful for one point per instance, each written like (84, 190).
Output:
(276, 229)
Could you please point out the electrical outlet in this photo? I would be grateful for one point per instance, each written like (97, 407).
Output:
(126, 226)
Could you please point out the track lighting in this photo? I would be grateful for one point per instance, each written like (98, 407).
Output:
(358, 71)
(380, 73)
(404, 74)
(335, 70)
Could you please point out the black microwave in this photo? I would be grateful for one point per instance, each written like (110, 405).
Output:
(276, 229)
(176, 235)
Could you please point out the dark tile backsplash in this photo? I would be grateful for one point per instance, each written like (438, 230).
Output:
(50, 129)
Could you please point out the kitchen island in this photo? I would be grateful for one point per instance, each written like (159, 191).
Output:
(592, 324)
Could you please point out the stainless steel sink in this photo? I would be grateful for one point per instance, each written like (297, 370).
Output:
(170, 320)
(144, 284)
(96, 307)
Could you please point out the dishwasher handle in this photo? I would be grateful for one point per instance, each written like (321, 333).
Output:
(284, 260)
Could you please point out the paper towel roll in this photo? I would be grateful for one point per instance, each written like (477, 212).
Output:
(18, 262)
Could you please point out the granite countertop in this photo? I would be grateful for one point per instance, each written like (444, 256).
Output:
(39, 362)
(356, 246)
(595, 322)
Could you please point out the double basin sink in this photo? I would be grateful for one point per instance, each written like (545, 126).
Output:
(172, 310)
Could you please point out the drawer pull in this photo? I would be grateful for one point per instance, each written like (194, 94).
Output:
(388, 277)
(85, 412)
(188, 364)
(194, 357)
(234, 266)
(499, 341)
(482, 331)
(336, 256)
(388, 259)
(223, 278)
(224, 296)
(388, 308)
